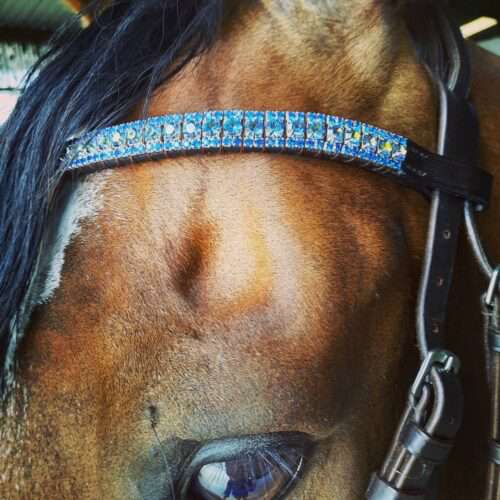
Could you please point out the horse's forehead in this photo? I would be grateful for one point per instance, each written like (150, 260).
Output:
(193, 273)
(272, 207)
(223, 235)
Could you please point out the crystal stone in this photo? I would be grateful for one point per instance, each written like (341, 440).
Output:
(189, 129)
(352, 138)
(275, 129)
(169, 129)
(192, 131)
(253, 135)
(212, 130)
(369, 143)
(400, 152)
(116, 138)
(172, 132)
(233, 129)
(295, 130)
(334, 135)
(387, 147)
(102, 141)
(152, 136)
(316, 128)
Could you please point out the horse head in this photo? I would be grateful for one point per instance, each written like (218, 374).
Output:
(225, 311)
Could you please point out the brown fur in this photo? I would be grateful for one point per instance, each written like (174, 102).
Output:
(253, 293)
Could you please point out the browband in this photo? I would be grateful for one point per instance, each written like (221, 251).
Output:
(309, 134)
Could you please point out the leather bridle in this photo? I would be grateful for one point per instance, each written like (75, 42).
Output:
(455, 185)
(434, 410)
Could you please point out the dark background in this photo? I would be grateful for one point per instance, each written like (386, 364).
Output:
(470, 9)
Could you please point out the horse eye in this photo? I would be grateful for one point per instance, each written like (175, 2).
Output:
(260, 475)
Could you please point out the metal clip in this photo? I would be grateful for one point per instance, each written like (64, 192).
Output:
(492, 287)
(446, 361)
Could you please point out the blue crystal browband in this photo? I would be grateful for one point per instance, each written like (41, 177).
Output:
(217, 131)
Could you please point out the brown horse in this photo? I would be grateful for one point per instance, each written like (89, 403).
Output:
(209, 297)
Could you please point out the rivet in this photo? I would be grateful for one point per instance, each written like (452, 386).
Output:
(435, 328)
(446, 234)
(440, 281)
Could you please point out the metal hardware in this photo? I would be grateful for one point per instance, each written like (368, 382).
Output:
(444, 361)
(492, 287)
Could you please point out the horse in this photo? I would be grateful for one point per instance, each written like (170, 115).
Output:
(215, 302)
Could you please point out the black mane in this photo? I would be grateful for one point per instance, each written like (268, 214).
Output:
(90, 78)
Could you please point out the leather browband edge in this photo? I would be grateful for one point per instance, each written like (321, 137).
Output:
(428, 171)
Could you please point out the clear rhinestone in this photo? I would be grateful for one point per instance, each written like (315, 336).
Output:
(192, 131)
(400, 152)
(116, 138)
(169, 129)
(334, 135)
(190, 128)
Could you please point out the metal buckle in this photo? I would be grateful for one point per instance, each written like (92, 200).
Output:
(446, 362)
(492, 287)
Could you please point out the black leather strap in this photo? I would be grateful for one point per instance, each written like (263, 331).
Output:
(437, 273)
(451, 177)
(428, 171)
(456, 117)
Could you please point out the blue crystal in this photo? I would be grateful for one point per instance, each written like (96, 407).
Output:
(275, 130)
(335, 134)
(385, 148)
(133, 134)
(233, 129)
(295, 130)
(69, 155)
(212, 130)
(391, 151)
(369, 143)
(352, 138)
(87, 149)
(400, 153)
(102, 141)
(316, 128)
(192, 131)
(133, 140)
(171, 127)
(82, 151)
(253, 135)
(116, 137)
(152, 135)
